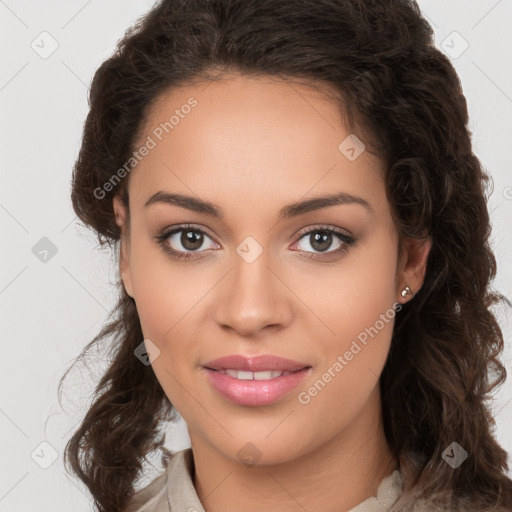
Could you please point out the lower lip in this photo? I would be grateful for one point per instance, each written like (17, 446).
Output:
(255, 392)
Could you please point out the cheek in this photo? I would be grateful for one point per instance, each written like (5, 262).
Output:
(359, 312)
(165, 291)
(166, 298)
(352, 296)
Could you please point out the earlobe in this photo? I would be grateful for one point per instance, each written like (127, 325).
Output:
(124, 250)
(414, 267)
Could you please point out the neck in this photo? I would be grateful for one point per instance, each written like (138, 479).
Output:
(335, 476)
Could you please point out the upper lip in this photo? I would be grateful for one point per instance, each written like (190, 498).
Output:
(265, 362)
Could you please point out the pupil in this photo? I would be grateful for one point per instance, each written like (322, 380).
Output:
(191, 240)
(319, 241)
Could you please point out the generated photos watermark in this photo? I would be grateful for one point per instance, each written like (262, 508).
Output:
(305, 397)
(158, 133)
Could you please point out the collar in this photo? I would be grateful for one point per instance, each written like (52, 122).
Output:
(182, 496)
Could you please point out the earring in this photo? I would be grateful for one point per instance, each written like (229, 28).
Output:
(406, 291)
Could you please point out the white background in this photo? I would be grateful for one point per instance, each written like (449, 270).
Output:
(51, 310)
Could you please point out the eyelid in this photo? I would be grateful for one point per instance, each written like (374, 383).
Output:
(179, 227)
(319, 227)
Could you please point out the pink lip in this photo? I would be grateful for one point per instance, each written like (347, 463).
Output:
(255, 392)
(260, 363)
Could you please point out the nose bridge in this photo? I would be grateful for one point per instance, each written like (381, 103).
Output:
(253, 298)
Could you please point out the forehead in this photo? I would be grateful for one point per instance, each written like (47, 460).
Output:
(252, 137)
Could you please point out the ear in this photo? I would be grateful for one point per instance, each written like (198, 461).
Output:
(413, 266)
(121, 214)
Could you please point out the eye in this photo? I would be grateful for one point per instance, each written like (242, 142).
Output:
(320, 239)
(183, 241)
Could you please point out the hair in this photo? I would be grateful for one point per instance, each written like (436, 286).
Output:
(401, 96)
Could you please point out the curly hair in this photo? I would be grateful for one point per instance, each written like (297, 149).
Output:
(404, 99)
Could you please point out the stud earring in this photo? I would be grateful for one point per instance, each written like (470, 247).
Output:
(406, 291)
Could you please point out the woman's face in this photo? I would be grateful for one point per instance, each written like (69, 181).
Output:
(264, 276)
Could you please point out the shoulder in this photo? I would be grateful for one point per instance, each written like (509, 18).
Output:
(153, 497)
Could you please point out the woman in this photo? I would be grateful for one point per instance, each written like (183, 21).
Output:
(304, 264)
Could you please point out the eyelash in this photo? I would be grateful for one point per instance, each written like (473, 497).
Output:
(347, 241)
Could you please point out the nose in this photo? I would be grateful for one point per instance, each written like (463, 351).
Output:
(253, 299)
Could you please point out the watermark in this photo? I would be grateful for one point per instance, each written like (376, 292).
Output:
(249, 454)
(304, 397)
(44, 250)
(454, 455)
(351, 147)
(44, 45)
(146, 352)
(249, 249)
(507, 193)
(150, 143)
(44, 455)
(454, 45)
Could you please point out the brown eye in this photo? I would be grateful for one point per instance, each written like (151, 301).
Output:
(185, 242)
(191, 240)
(188, 239)
(321, 240)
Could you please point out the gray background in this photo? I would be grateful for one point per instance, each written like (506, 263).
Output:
(51, 309)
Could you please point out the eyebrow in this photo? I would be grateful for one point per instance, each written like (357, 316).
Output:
(291, 210)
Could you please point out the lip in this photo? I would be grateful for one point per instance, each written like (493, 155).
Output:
(261, 363)
(255, 392)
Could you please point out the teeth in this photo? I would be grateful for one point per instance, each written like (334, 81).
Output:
(240, 374)
(246, 375)
(265, 375)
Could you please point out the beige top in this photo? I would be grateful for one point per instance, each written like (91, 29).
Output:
(173, 490)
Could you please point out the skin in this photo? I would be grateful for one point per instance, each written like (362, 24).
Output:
(252, 146)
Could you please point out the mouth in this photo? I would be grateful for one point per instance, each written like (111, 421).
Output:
(247, 375)
(255, 381)
(255, 364)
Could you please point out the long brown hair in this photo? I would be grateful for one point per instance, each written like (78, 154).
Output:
(404, 99)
